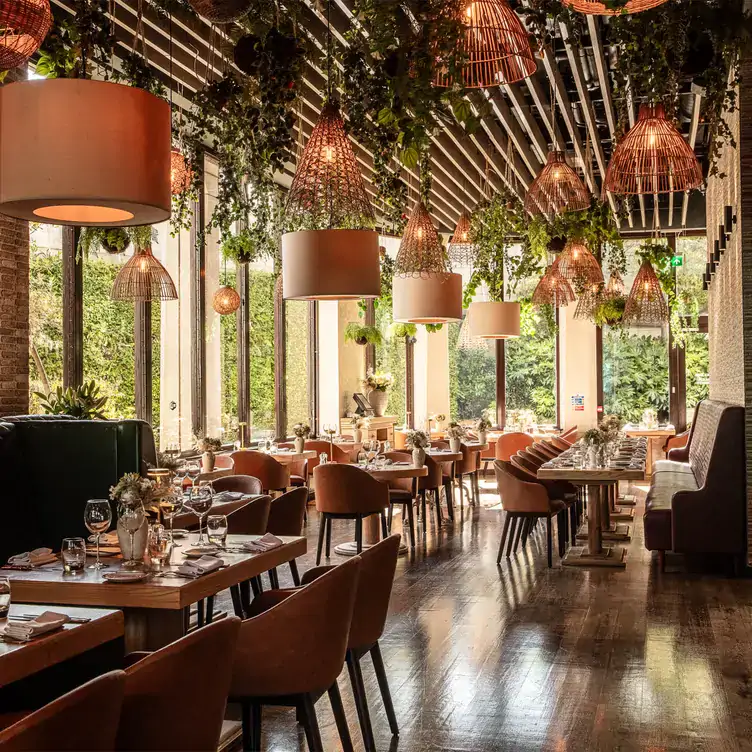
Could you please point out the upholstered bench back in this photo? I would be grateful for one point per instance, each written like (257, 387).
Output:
(716, 424)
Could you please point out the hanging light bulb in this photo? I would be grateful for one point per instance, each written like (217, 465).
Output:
(143, 279)
(597, 8)
(495, 47)
(577, 264)
(652, 158)
(646, 303)
(615, 286)
(557, 189)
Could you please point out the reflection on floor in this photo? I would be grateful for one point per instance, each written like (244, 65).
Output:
(520, 657)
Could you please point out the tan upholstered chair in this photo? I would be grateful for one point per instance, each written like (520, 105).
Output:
(273, 475)
(84, 719)
(431, 486)
(347, 492)
(560, 443)
(286, 516)
(160, 713)
(223, 462)
(508, 444)
(245, 484)
(468, 467)
(402, 492)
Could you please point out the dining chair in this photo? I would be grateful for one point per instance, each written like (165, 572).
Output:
(524, 502)
(274, 476)
(286, 515)
(432, 484)
(508, 444)
(175, 697)
(545, 450)
(298, 469)
(570, 434)
(448, 470)
(402, 492)
(85, 718)
(292, 653)
(350, 493)
(560, 443)
(487, 456)
(223, 462)
(536, 452)
(467, 467)
(245, 484)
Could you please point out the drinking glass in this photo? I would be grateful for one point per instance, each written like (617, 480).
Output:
(97, 518)
(216, 528)
(362, 458)
(192, 470)
(200, 503)
(171, 504)
(132, 517)
(160, 545)
(73, 554)
(387, 447)
(4, 597)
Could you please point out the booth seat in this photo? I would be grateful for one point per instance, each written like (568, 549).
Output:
(50, 465)
(696, 502)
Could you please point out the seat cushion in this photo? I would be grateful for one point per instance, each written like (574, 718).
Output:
(673, 477)
(399, 496)
(662, 466)
(297, 481)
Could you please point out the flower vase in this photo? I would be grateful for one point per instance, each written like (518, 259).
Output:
(455, 445)
(299, 443)
(378, 398)
(139, 541)
(419, 457)
(358, 436)
(207, 462)
(592, 457)
(482, 437)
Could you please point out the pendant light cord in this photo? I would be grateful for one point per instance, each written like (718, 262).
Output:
(329, 49)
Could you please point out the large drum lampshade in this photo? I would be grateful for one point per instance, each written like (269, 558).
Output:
(494, 320)
(433, 298)
(330, 265)
(83, 152)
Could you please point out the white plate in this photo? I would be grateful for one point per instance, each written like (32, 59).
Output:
(126, 577)
(180, 533)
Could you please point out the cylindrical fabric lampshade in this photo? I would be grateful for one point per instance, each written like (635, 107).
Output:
(433, 298)
(330, 265)
(494, 320)
(83, 152)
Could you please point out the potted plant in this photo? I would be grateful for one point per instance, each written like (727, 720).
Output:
(407, 331)
(456, 433)
(376, 385)
(301, 432)
(418, 442)
(611, 426)
(593, 439)
(610, 311)
(481, 426)
(440, 418)
(650, 418)
(239, 248)
(114, 240)
(83, 402)
(357, 428)
(208, 446)
(363, 335)
(132, 494)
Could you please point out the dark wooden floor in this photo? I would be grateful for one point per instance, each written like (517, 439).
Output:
(520, 657)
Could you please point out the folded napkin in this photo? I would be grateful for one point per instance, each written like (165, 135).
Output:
(224, 496)
(267, 543)
(23, 631)
(34, 558)
(198, 567)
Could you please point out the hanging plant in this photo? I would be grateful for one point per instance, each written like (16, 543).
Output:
(113, 240)
(431, 328)
(403, 331)
(363, 335)
(609, 311)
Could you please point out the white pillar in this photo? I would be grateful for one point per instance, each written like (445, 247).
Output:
(578, 387)
(431, 375)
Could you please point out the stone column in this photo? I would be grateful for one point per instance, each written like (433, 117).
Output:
(578, 371)
(431, 375)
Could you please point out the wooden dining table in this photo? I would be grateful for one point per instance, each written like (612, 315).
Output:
(155, 610)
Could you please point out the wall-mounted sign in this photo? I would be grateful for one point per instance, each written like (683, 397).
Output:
(578, 403)
(677, 260)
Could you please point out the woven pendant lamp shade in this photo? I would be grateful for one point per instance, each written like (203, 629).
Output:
(495, 46)
(221, 11)
(557, 189)
(23, 26)
(420, 252)
(652, 158)
(614, 287)
(589, 300)
(577, 264)
(226, 300)
(461, 251)
(180, 173)
(553, 289)
(646, 303)
(595, 8)
(466, 340)
(143, 279)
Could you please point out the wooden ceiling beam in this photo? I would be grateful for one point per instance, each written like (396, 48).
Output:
(516, 95)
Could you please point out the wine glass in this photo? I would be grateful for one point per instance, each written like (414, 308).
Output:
(200, 503)
(192, 470)
(362, 458)
(216, 527)
(132, 516)
(160, 545)
(97, 518)
(170, 504)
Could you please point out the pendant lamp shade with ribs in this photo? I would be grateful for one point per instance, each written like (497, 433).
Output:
(226, 300)
(596, 8)
(23, 26)
(646, 303)
(588, 301)
(494, 319)
(423, 290)
(652, 158)
(576, 264)
(83, 152)
(495, 47)
(614, 287)
(461, 250)
(557, 189)
(143, 279)
(553, 289)
(336, 259)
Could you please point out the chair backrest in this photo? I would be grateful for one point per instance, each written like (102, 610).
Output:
(299, 645)
(175, 698)
(400, 484)
(570, 434)
(549, 444)
(715, 442)
(539, 454)
(434, 478)
(468, 463)
(246, 484)
(519, 495)
(273, 475)
(545, 450)
(251, 519)
(560, 443)
(85, 718)
(223, 462)
(287, 513)
(531, 459)
(522, 461)
(509, 444)
(347, 489)
(377, 567)
(335, 453)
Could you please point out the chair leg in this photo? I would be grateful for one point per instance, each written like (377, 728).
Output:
(389, 516)
(422, 511)
(526, 531)
(328, 536)
(339, 716)
(384, 529)
(573, 523)
(274, 579)
(200, 613)
(237, 605)
(209, 609)
(562, 532)
(311, 724)
(294, 572)
(549, 542)
(322, 531)
(386, 695)
(256, 586)
(361, 703)
(437, 499)
(507, 520)
(448, 495)
(358, 533)
(245, 595)
(518, 534)
(251, 725)
(411, 521)
(512, 530)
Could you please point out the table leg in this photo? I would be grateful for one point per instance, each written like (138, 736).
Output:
(595, 532)
(152, 628)
(371, 535)
(619, 514)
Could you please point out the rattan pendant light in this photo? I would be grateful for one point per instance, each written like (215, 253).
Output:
(461, 249)
(180, 173)
(576, 264)
(23, 26)
(588, 301)
(614, 287)
(652, 158)
(553, 289)
(423, 289)
(495, 46)
(595, 8)
(466, 339)
(143, 279)
(646, 303)
(226, 300)
(557, 189)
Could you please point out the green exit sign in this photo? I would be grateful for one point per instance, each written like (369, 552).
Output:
(677, 260)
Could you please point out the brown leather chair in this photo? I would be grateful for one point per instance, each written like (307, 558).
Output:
(245, 484)
(467, 467)
(292, 653)
(432, 484)
(570, 434)
(402, 492)
(286, 516)
(538, 453)
(347, 492)
(273, 475)
(560, 443)
(508, 444)
(84, 719)
(298, 469)
(447, 476)
(544, 450)
(549, 444)
(334, 452)
(524, 502)
(160, 713)
(223, 462)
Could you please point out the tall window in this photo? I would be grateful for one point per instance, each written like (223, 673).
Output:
(296, 362)
(472, 374)
(229, 359)
(262, 281)
(390, 358)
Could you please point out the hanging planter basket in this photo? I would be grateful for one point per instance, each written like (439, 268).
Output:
(115, 241)
(221, 11)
